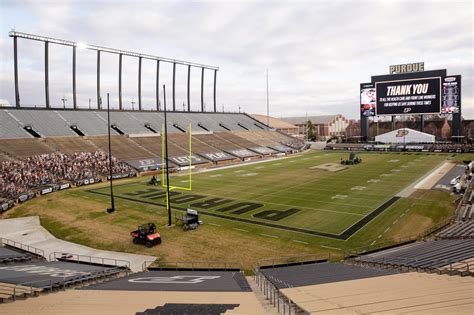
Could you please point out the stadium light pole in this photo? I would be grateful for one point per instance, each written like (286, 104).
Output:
(268, 107)
(112, 208)
(168, 205)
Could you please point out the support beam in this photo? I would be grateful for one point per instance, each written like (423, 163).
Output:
(120, 82)
(158, 85)
(174, 86)
(202, 90)
(139, 83)
(189, 90)
(15, 71)
(74, 93)
(215, 83)
(46, 74)
(422, 123)
(393, 123)
(98, 80)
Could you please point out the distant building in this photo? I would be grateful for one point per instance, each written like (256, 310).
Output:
(277, 124)
(325, 127)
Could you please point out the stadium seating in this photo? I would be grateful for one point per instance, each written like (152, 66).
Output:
(458, 230)
(217, 142)
(23, 148)
(10, 127)
(88, 122)
(70, 145)
(46, 123)
(122, 147)
(233, 138)
(422, 256)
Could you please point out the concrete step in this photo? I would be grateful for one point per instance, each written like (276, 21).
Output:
(267, 306)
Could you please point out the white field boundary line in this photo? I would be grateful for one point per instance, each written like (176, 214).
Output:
(268, 235)
(301, 242)
(407, 191)
(294, 155)
(435, 176)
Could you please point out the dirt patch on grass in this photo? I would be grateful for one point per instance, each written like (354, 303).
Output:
(412, 225)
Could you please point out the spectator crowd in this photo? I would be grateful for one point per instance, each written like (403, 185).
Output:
(17, 177)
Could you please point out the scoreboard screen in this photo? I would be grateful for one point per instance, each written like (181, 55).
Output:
(408, 97)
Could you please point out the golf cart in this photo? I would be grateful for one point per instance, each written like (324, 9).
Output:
(147, 235)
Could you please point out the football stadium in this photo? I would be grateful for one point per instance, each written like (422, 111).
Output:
(192, 209)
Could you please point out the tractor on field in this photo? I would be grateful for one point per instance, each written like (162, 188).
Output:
(147, 235)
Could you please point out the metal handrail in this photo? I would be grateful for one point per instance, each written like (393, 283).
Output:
(90, 259)
(24, 247)
(302, 258)
(195, 265)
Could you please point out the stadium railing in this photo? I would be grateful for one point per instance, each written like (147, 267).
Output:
(192, 265)
(278, 299)
(91, 260)
(27, 248)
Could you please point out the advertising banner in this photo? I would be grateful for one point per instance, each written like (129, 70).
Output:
(451, 95)
(367, 99)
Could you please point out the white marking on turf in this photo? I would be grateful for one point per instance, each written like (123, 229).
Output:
(358, 188)
(241, 230)
(339, 197)
(301, 242)
(401, 215)
(395, 170)
(394, 161)
(268, 235)
(385, 175)
(216, 175)
(248, 174)
(259, 167)
(404, 166)
(379, 236)
(238, 171)
(373, 181)
(292, 161)
(394, 222)
(276, 164)
(214, 224)
(330, 247)
(373, 243)
(386, 230)
(184, 181)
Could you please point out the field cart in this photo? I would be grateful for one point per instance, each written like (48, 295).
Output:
(147, 235)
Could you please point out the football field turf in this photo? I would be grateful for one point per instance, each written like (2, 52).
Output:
(292, 193)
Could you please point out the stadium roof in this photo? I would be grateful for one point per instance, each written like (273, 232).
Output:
(274, 122)
(325, 119)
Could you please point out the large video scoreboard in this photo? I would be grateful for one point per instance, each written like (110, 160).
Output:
(411, 92)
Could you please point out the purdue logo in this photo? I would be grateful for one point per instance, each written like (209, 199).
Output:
(402, 133)
(407, 110)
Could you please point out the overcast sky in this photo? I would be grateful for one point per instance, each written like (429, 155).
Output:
(316, 52)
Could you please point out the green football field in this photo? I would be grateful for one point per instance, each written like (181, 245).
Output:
(291, 193)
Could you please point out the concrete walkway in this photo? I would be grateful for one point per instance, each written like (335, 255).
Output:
(29, 231)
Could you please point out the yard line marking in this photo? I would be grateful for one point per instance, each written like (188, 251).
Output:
(238, 171)
(214, 224)
(268, 235)
(386, 230)
(373, 243)
(296, 241)
(276, 164)
(394, 222)
(330, 247)
(401, 215)
(216, 175)
(240, 230)
(259, 167)
(379, 236)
